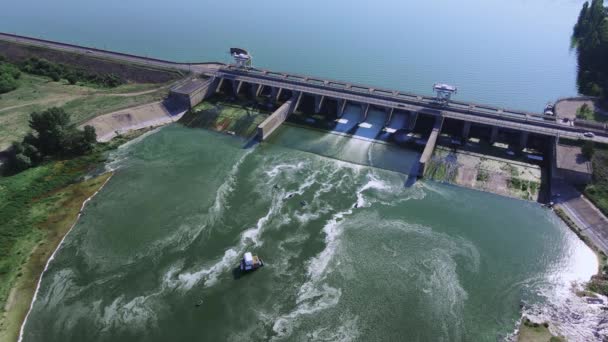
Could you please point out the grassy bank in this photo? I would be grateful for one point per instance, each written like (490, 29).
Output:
(38, 207)
(37, 93)
(51, 217)
(597, 190)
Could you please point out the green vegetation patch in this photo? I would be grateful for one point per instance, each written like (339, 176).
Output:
(222, 116)
(440, 169)
(536, 332)
(26, 200)
(73, 75)
(9, 76)
(53, 136)
(586, 113)
(597, 191)
(37, 93)
(482, 175)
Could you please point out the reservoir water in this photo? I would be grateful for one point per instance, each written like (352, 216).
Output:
(506, 53)
(351, 252)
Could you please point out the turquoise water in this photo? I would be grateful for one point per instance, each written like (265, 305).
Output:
(507, 53)
(351, 254)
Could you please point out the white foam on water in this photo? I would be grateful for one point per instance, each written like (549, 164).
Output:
(188, 279)
(372, 183)
(569, 315)
(138, 313)
(310, 301)
(346, 332)
(277, 169)
(230, 258)
(120, 155)
(225, 189)
(315, 295)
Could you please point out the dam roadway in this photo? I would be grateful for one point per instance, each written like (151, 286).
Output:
(381, 98)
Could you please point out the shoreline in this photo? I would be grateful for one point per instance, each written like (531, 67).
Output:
(22, 294)
(50, 259)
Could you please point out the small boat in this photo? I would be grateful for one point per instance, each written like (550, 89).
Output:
(251, 262)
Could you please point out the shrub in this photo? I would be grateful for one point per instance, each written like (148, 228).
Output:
(53, 135)
(588, 149)
(56, 72)
(8, 77)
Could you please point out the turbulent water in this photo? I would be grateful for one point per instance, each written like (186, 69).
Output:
(351, 252)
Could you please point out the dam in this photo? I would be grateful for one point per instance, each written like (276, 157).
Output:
(402, 110)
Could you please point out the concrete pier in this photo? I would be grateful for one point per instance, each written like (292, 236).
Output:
(341, 107)
(235, 88)
(295, 108)
(278, 94)
(389, 116)
(365, 110)
(273, 94)
(466, 130)
(413, 117)
(219, 85)
(318, 103)
(254, 90)
(259, 90)
(494, 134)
(275, 120)
(523, 140)
(430, 145)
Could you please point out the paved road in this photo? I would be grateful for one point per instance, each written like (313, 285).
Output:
(592, 222)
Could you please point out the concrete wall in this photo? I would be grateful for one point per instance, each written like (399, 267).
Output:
(276, 119)
(430, 145)
(197, 95)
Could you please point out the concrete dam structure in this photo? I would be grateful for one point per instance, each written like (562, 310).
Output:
(288, 92)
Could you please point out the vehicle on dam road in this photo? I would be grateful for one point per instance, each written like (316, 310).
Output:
(251, 262)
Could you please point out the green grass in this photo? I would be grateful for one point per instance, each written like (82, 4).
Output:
(482, 175)
(24, 204)
(37, 93)
(598, 194)
(586, 113)
(225, 116)
(86, 108)
(597, 191)
(38, 206)
(44, 205)
(535, 332)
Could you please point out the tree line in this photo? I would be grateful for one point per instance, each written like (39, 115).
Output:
(590, 38)
(56, 72)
